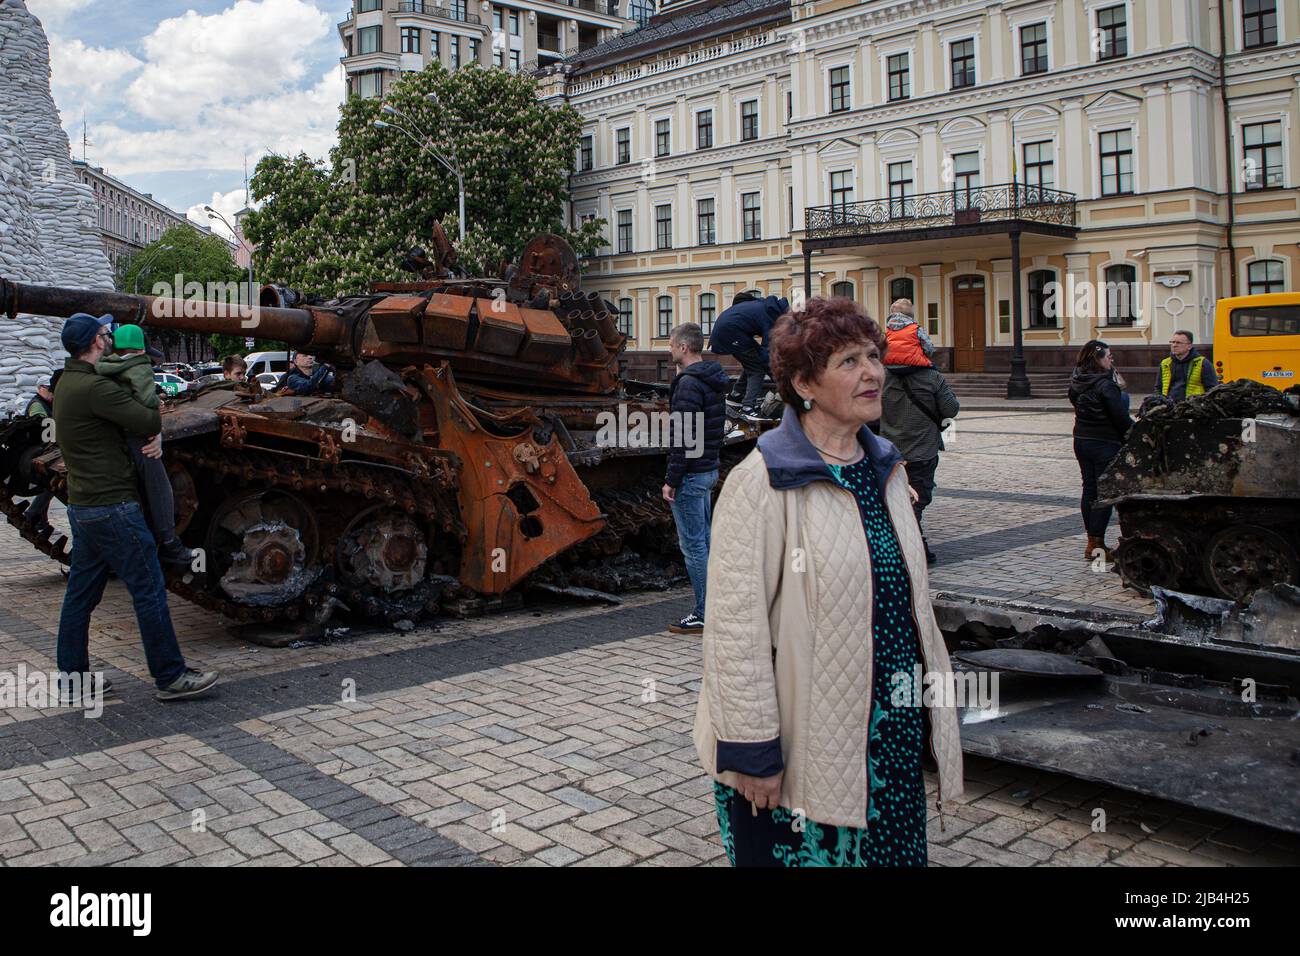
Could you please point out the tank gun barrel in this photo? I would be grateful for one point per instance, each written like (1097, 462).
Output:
(302, 328)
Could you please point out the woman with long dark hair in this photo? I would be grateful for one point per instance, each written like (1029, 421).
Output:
(1101, 422)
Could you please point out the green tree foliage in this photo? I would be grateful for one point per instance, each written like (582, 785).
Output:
(332, 230)
(182, 256)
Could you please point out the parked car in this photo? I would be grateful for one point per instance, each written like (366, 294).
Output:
(259, 362)
(268, 380)
(179, 369)
(170, 383)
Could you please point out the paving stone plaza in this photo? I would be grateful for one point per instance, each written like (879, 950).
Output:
(550, 736)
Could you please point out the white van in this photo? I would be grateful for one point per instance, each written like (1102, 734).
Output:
(259, 362)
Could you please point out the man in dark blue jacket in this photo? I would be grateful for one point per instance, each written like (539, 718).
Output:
(734, 333)
(306, 378)
(698, 403)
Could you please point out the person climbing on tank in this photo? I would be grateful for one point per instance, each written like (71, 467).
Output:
(42, 406)
(304, 377)
(734, 333)
(131, 366)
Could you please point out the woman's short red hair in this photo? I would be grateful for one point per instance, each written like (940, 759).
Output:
(803, 342)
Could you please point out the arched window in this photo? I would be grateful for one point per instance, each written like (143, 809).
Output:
(1265, 276)
(902, 288)
(1120, 295)
(843, 289)
(664, 326)
(708, 311)
(1042, 313)
(625, 316)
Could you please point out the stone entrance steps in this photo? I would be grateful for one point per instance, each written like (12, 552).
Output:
(994, 384)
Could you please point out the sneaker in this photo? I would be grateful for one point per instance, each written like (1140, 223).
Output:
(66, 698)
(190, 684)
(690, 624)
(172, 552)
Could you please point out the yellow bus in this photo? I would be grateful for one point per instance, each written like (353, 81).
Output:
(1258, 337)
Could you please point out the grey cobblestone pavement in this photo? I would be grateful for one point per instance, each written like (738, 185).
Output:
(553, 736)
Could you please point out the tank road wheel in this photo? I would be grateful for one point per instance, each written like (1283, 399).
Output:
(1143, 561)
(1244, 558)
(263, 548)
(383, 548)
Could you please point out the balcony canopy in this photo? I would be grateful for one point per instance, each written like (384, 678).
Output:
(983, 210)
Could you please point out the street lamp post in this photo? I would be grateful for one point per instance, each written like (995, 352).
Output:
(213, 214)
(428, 147)
(135, 285)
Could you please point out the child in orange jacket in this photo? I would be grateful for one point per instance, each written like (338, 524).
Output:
(908, 343)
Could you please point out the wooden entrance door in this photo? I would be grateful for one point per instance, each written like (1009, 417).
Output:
(968, 323)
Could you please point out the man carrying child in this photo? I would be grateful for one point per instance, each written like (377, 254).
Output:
(93, 415)
(916, 403)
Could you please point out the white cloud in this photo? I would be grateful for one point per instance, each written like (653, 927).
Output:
(52, 13)
(251, 49)
(225, 203)
(219, 137)
(87, 79)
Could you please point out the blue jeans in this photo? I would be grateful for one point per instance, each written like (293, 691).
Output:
(116, 538)
(693, 513)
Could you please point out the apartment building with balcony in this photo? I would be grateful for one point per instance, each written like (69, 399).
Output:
(974, 156)
(384, 38)
(129, 219)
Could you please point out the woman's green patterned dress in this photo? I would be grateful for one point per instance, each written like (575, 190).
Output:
(895, 831)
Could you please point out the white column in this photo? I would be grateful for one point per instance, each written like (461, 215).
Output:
(1075, 161)
(682, 213)
(998, 36)
(681, 126)
(643, 221)
(1000, 146)
(725, 207)
(773, 200)
(1182, 109)
(1156, 136)
(866, 82)
(931, 160)
(724, 124)
(929, 51)
(1071, 37)
(1080, 326)
(868, 178)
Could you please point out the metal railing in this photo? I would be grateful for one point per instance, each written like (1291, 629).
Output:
(951, 207)
(445, 10)
(547, 42)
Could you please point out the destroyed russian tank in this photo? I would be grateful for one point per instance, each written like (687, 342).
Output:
(461, 457)
(1208, 493)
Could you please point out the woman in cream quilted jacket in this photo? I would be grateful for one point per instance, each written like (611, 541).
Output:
(826, 680)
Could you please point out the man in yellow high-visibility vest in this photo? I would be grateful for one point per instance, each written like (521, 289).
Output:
(1184, 373)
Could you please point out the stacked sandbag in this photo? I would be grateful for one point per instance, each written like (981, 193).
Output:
(48, 228)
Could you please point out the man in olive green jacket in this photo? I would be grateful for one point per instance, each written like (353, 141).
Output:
(92, 416)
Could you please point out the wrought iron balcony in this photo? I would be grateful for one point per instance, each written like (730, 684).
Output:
(926, 215)
(447, 10)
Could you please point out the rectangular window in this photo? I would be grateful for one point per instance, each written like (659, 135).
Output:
(751, 214)
(1263, 160)
(789, 105)
(514, 61)
(625, 316)
(704, 129)
(473, 49)
(842, 187)
(962, 53)
(1033, 49)
(498, 58)
(458, 9)
(514, 23)
(901, 205)
(900, 79)
(1265, 277)
(789, 206)
(1259, 23)
(435, 45)
(665, 324)
(370, 40)
(1112, 33)
(625, 230)
(840, 89)
(664, 226)
(623, 145)
(1117, 162)
(496, 19)
(708, 311)
(585, 155)
(1040, 167)
(706, 220)
(455, 51)
(965, 177)
(370, 83)
(663, 137)
(365, 6)
(749, 120)
(410, 39)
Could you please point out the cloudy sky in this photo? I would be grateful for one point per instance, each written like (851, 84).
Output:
(176, 92)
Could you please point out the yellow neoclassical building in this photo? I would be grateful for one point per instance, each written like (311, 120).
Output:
(1092, 168)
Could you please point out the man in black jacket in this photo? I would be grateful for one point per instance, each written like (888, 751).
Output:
(735, 333)
(698, 403)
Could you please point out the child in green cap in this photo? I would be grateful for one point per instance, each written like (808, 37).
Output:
(132, 369)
